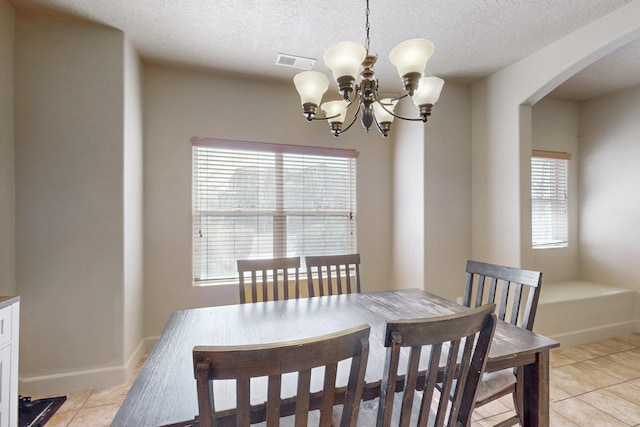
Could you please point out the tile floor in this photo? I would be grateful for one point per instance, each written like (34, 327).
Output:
(595, 384)
(91, 408)
(591, 385)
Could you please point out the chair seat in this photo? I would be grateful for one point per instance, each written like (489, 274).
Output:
(369, 416)
(492, 383)
(368, 413)
(313, 420)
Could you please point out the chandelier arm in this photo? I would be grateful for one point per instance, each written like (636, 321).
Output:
(355, 117)
(375, 97)
(378, 125)
(330, 117)
(394, 99)
(409, 119)
(323, 118)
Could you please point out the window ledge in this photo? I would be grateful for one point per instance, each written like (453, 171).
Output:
(552, 246)
(218, 282)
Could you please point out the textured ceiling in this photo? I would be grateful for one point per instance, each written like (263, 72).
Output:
(473, 38)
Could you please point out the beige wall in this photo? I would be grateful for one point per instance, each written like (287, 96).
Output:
(447, 180)
(133, 230)
(408, 253)
(555, 128)
(502, 132)
(610, 189)
(180, 104)
(81, 229)
(7, 177)
(432, 196)
(70, 130)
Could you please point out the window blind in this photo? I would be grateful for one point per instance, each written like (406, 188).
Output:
(256, 200)
(549, 201)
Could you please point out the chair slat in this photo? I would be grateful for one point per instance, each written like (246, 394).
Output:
(274, 400)
(265, 277)
(302, 397)
(389, 378)
(516, 303)
(321, 271)
(328, 397)
(430, 384)
(410, 385)
(243, 401)
(504, 298)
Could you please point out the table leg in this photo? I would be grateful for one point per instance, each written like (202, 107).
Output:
(536, 392)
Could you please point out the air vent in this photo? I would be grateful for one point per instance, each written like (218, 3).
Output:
(294, 61)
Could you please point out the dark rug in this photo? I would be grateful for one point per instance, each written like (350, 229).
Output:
(34, 413)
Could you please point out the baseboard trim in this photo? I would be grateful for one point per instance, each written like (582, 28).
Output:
(64, 382)
(150, 342)
(571, 338)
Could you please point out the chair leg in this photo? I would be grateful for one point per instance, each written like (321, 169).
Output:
(518, 405)
(518, 396)
(509, 422)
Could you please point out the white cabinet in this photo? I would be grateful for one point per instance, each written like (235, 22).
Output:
(9, 334)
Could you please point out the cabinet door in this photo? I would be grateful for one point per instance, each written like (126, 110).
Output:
(5, 384)
(5, 326)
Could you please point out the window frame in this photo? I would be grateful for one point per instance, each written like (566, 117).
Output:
(279, 213)
(557, 227)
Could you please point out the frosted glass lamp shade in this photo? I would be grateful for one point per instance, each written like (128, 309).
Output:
(428, 91)
(311, 85)
(379, 112)
(411, 56)
(336, 108)
(345, 59)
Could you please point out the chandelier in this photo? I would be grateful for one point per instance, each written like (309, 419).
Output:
(345, 60)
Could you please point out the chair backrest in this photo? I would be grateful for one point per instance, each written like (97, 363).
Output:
(242, 363)
(269, 278)
(332, 274)
(458, 345)
(515, 291)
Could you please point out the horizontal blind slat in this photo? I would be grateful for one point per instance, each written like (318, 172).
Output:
(549, 201)
(262, 204)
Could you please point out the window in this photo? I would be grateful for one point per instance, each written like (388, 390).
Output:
(257, 200)
(549, 213)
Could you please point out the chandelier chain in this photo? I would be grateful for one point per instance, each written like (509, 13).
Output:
(367, 27)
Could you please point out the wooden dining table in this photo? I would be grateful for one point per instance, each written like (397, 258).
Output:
(164, 391)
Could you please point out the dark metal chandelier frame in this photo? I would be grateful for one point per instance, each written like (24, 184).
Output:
(425, 91)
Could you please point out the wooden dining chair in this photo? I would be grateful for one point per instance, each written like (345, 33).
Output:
(268, 279)
(409, 395)
(333, 274)
(244, 363)
(516, 293)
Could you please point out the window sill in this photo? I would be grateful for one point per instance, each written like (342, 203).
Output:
(218, 282)
(557, 246)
